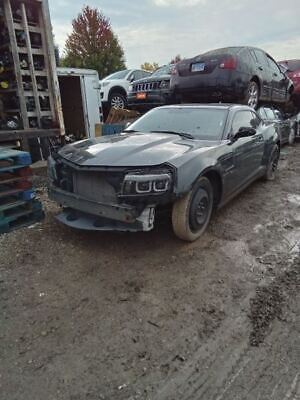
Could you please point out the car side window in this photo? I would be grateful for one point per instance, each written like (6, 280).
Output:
(270, 113)
(261, 58)
(144, 74)
(242, 119)
(262, 113)
(138, 75)
(131, 76)
(273, 66)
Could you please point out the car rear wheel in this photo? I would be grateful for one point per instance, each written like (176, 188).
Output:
(191, 214)
(252, 95)
(117, 100)
(272, 164)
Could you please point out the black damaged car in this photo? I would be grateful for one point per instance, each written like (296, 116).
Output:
(152, 91)
(245, 75)
(189, 159)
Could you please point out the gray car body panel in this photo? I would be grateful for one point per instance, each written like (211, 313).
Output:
(237, 163)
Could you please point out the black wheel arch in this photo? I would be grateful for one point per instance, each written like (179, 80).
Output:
(256, 79)
(216, 181)
(117, 89)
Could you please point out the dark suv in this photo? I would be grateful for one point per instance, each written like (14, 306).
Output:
(243, 74)
(151, 91)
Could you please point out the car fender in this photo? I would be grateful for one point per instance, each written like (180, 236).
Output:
(189, 171)
(120, 87)
(272, 138)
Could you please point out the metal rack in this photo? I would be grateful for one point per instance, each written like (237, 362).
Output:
(36, 101)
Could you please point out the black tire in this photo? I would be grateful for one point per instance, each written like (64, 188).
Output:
(117, 100)
(191, 214)
(270, 174)
(252, 95)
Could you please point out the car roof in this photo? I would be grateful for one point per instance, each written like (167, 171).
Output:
(226, 106)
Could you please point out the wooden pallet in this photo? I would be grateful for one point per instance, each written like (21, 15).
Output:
(11, 160)
(19, 214)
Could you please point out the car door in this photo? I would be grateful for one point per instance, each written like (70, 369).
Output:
(248, 151)
(279, 82)
(263, 71)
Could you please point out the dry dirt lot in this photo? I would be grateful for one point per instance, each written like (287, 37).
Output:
(87, 315)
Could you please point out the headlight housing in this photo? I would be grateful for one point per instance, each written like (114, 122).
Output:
(164, 85)
(144, 184)
(130, 88)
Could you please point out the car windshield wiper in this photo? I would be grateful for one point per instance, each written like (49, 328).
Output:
(130, 130)
(183, 134)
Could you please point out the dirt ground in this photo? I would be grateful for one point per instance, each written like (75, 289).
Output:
(89, 315)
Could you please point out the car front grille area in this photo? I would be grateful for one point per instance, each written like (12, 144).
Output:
(92, 185)
(146, 86)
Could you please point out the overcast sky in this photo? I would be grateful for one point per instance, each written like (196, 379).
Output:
(157, 30)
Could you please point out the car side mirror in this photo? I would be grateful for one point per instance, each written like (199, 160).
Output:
(243, 132)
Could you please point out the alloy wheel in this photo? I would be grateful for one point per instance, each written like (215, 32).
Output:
(253, 95)
(117, 102)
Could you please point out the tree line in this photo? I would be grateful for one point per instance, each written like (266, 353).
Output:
(93, 44)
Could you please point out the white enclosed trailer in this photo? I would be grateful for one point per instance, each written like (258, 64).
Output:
(81, 104)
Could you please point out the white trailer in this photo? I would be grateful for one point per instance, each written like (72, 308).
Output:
(81, 103)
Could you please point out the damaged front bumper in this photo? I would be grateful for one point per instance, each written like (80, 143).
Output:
(83, 213)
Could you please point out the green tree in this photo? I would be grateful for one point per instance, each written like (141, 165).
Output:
(92, 44)
(149, 67)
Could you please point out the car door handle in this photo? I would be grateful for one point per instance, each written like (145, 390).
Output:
(260, 68)
(275, 74)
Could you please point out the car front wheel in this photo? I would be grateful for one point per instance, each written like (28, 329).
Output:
(117, 100)
(191, 214)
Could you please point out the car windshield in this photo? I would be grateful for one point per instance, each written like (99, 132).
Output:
(165, 70)
(117, 75)
(201, 123)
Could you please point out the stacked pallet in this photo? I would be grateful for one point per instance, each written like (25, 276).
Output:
(18, 206)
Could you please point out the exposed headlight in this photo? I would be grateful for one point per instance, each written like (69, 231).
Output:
(146, 184)
(164, 84)
(130, 88)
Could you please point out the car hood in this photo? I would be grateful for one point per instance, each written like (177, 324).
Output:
(132, 149)
(153, 79)
(114, 82)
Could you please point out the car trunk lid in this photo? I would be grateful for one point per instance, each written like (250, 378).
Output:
(207, 63)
